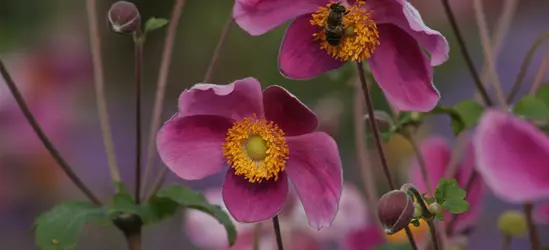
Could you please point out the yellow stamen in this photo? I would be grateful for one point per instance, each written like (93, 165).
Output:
(256, 149)
(360, 36)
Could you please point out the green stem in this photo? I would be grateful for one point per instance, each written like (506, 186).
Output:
(426, 214)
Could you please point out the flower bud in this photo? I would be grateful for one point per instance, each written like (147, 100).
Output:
(124, 17)
(434, 208)
(512, 223)
(418, 212)
(395, 211)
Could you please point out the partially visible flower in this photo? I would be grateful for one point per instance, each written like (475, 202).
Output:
(367, 238)
(512, 157)
(388, 33)
(541, 213)
(124, 17)
(395, 210)
(437, 155)
(265, 138)
(513, 223)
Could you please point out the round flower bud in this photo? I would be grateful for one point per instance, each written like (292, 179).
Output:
(434, 208)
(418, 212)
(124, 17)
(512, 223)
(395, 210)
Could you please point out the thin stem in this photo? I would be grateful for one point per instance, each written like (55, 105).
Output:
(426, 214)
(278, 235)
(434, 235)
(377, 139)
(488, 53)
(159, 181)
(161, 87)
(541, 72)
(134, 240)
(411, 239)
(532, 229)
(257, 236)
(138, 79)
(465, 53)
(43, 138)
(217, 50)
(524, 66)
(506, 242)
(100, 91)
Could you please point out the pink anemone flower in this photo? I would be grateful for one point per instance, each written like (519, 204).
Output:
(512, 157)
(387, 32)
(541, 213)
(437, 155)
(264, 138)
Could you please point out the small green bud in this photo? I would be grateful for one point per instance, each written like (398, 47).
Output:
(418, 212)
(512, 223)
(434, 208)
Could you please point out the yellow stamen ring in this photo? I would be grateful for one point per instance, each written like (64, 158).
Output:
(360, 38)
(256, 149)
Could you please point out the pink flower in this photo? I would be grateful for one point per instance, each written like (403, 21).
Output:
(388, 32)
(437, 155)
(512, 157)
(366, 238)
(265, 138)
(541, 213)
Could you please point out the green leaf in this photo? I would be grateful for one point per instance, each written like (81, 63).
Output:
(448, 189)
(440, 216)
(162, 207)
(195, 200)
(456, 121)
(531, 107)
(543, 94)
(456, 206)
(58, 229)
(415, 223)
(155, 23)
(394, 247)
(469, 111)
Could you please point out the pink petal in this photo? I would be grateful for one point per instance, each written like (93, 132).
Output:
(259, 16)
(300, 57)
(235, 100)
(367, 238)
(541, 213)
(290, 114)
(512, 157)
(191, 146)
(315, 170)
(402, 70)
(404, 15)
(254, 202)
(436, 153)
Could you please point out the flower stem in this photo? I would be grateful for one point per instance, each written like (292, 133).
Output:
(257, 236)
(506, 244)
(278, 235)
(134, 239)
(217, 51)
(541, 72)
(532, 229)
(426, 214)
(161, 87)
(43, 138)
(100, 92)
(465, 53)
(138, 40)
(524, 66)
(434, 235)
(377, 138)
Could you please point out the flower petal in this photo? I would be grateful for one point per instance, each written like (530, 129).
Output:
(290, 114)
(366, 238)
(254, 202)
(404, 15)
(191, 146)
(512, 157)
(314, 167)
(235, 100)
(541, 213)
(259, 16)
(402, 71)
(436, 153)
(300, 57)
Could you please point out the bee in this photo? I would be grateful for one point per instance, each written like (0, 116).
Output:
(334, 28)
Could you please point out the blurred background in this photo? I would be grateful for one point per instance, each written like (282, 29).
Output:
(45, 46)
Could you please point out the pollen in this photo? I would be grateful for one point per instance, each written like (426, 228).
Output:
(360, 37)
(256, 149)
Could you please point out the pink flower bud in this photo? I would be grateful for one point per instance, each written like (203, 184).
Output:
(124, 17)
(395, 211)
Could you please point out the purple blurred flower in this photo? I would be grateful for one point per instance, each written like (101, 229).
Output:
(265, 138)
(437, 155)
(541, 213)
(367, 238)
(386, 32)
(512, 157)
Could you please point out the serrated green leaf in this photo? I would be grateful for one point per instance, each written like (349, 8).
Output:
(456, 121)
(394, 247)
(155, 23)
(530, 107)
(470, 112)
(58, 229)
(543, 94)
(123, 202)
(456, 206)
(195, 200)
(163, 207)
(448, 189)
